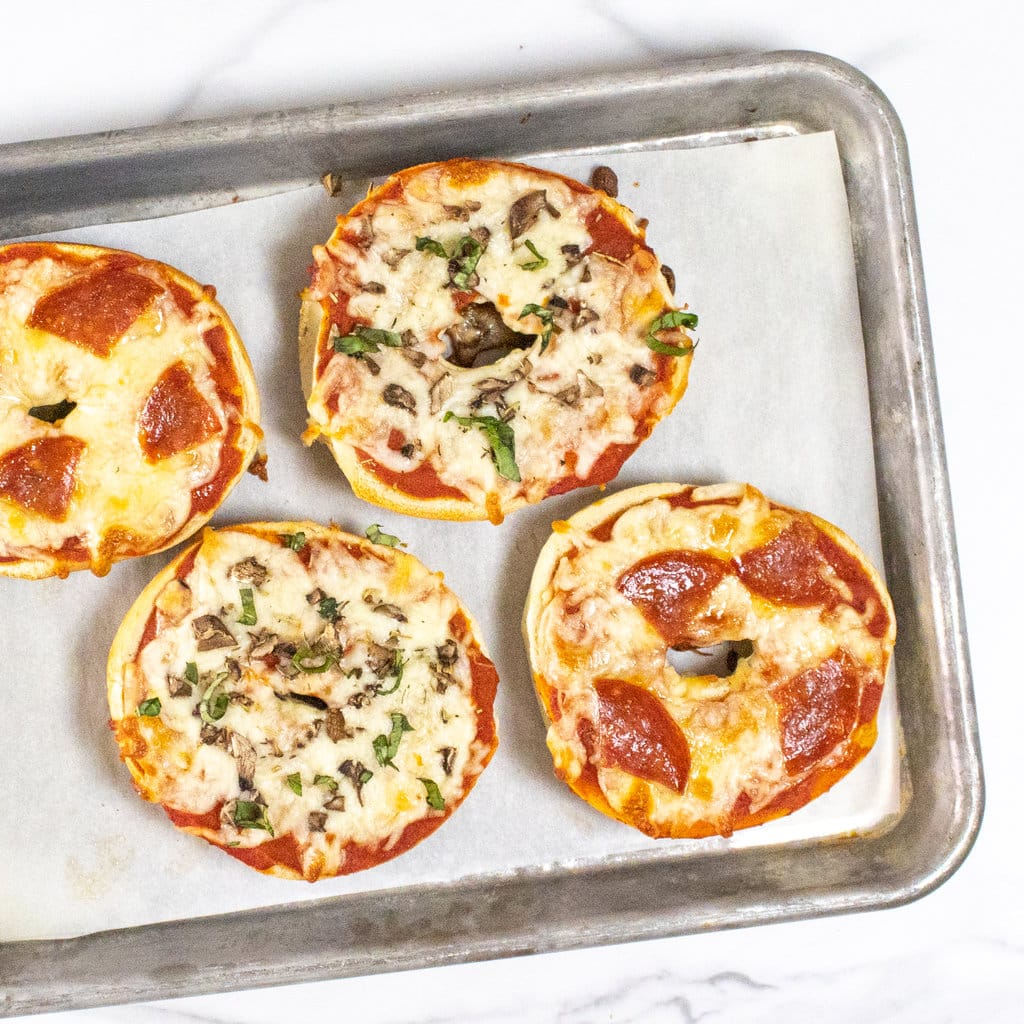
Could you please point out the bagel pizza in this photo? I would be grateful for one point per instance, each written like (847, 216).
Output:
(481, 335)
(128, 408)
(668, 566)
(311, 702)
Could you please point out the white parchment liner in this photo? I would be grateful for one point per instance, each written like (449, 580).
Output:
(759, 237)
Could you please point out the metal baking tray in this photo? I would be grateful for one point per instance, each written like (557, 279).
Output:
(127, 175)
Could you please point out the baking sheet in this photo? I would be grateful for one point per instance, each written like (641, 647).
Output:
(758, 235)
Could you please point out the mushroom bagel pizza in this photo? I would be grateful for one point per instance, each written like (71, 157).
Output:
(669, 566)
(128, 408)
(482, 335)
(311, 702)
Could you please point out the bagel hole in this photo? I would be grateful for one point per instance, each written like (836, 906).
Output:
(719, 660)
(482, 337)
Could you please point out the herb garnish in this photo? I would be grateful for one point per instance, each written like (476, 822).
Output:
(248, 616)
(149, 708)
(214, 703)
(295, 783)
(500, 437)
(375, 535)
(52, 413)
(364, 776)
(546, 316)
(328, 608)
(295, 541)
(536, 264)
(398, 668)
(434, 797)
(326, 781)
(366, 339)
(386, 747)
(308, 659)
(192, 673)
(462, 260)
(249, 814)
(673, 318)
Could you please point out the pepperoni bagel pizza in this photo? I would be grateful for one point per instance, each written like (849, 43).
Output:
(669, 566)
(128, 408)
(482, 335)
(312, 702)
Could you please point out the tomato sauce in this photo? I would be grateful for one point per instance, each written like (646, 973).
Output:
(605, 469)
(206, 497)
(484, 679)
(638, 735)
(40, 475)
(188, 819)
(175, 416)
(94, 310)
(609, 236)
(421, 482)
(283, 850)
(818, 709)
(359, 857)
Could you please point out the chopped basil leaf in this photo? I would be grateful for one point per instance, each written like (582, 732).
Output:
(249, 814)
(536, 264)
(366, 339)
(248, 616)
(386, 747)
(328, 608)
(326, 781)
(295, 783)
(192, 673)
(295, 541)
(431, 245)
(306, 659)
(673, 318)
(375, 535)
(214, 703)
(500, 437)
(434, 797)
(364, 776)
(542, 313)
(150, 708)
(398, 668)
(465, 256)
(52, 413)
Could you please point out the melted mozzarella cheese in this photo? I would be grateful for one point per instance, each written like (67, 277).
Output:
(116, 487)
(556, 435)
(385, 598)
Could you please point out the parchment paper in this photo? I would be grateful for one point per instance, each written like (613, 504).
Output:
(758, 235)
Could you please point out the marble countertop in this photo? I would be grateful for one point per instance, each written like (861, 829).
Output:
(956, 955)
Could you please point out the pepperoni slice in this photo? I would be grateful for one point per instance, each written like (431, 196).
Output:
(818, 709)
(175, 417)
(94, 310)
(638, 735)
(794, 568)
(40, 475)
(669, 587)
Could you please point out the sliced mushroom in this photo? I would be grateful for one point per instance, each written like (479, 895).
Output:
(359, 700)
(317, 821)
(303, 698)
(448, 653)
(380, 659)
(335, 725)
(523, 213)
(211, 634)
(245, 754)
(481, 235)
(670, 278)
(482, 331)
(373, 287)
(262, 643)
(447, 759)
(414, 356)
(397, 396)
(315, 596)
(210, 734)
(588, 387)
(391, 610)
(585, 316)
(354, 771)
(336, 803)
(395, 256)
(572, 254)
(249, 570)
(606, 180)
(440, 391)
(178, 687)
(569, 396)
(641, 376)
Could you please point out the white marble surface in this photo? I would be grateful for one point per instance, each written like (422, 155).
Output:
(950, 70)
